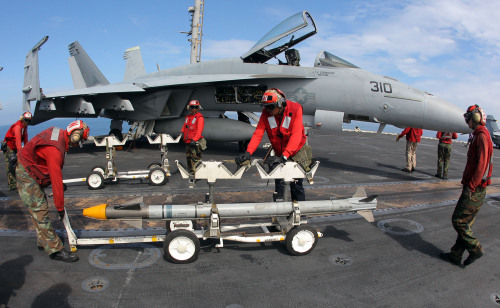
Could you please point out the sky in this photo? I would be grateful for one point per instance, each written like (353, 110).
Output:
(449, 48)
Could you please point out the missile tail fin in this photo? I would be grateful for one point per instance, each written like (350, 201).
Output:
(360, 193)
(367, 214)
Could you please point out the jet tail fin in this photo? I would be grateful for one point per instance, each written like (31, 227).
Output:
(135, 65)
(31, 85)
(83, 70)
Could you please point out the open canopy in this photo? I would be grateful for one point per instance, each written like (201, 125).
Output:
(288, 33)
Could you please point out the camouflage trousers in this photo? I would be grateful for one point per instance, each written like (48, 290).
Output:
(193, 156)
(444, 153)
(35, 200)
(11, 178)
(464, 217)
(411, 155)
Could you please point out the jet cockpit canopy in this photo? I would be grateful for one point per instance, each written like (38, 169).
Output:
(288, 33)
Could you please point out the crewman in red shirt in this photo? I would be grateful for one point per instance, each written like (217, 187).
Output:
(476, 176)
(192, 131)
(14, 139)
(444, 153)
(413, 136)
(282, 120)
(40, 165)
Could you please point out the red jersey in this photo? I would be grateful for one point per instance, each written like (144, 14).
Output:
(16, 135)
(412, 134)
(446, 137)
(286, 132)
(43, 159)
(479, 167)
(193, 127)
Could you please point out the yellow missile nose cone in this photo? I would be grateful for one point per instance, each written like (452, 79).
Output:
(97, 212)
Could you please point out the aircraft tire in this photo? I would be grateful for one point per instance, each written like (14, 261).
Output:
(301, 240)
(154, 165)
(157, 176)
(95, 180)
(181, 247)
(100, 169)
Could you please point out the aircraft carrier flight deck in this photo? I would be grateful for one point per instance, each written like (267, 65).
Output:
(392, 262)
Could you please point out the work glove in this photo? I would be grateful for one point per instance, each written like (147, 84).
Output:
(192, 143)
(240, 159)
(274, 161)
(60, 214)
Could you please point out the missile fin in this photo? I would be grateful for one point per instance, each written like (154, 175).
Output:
(136, 223)
(360, 193)
(367, 214)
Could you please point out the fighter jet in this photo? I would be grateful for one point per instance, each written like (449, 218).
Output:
(331, 92)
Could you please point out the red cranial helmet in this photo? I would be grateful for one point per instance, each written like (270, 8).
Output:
(75, 126)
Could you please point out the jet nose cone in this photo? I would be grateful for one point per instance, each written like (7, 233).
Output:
(441, 115)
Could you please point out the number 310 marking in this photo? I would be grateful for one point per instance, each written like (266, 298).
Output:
(381, 87)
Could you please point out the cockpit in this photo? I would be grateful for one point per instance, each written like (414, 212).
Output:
(287, 34)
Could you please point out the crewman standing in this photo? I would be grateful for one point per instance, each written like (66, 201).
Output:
(282, 120)
(16, 136)
(40, 165)
(192, 131)
(413, 136)
(444, 153)
(476, 176)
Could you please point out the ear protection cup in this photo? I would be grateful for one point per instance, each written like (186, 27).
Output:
(75, 136)
(476, 116)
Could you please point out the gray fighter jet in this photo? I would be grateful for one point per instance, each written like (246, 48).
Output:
(331, 92)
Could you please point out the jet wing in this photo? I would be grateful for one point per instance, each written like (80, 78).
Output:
(141, 85)
(207, 79)
(107, 89)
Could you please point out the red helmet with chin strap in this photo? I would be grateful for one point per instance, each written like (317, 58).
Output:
(78, 125)
(273, 98)
(475, 113)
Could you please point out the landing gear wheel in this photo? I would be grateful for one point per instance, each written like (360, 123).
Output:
(99, 169)
(301, 240)
(152, 165)
(181, 247)
(157, 176)
(95, 180)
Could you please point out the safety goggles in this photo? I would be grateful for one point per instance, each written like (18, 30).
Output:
(467, 116)
(194, 107)
(270, 107)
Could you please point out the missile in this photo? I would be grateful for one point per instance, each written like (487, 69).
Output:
(139, 211)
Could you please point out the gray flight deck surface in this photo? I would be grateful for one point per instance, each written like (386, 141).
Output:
(390, 263)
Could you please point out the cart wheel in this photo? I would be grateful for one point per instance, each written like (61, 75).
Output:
(99, 169)
(157, 176)
(301, 240)
(95, 180)
(181, 247)
(152, 165)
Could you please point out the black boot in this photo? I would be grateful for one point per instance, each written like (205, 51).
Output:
(450, 257)
(64, 256)
(473, 256)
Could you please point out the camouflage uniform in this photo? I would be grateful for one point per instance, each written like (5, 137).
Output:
(464, 217)
(11, 178)
(444, 153)
(193, 154)
(35, 200)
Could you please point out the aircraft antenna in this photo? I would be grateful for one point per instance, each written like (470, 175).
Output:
(196, 29)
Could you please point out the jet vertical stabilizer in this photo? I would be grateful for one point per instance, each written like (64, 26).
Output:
(135, 65)
(83, 68)
(31, 85)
